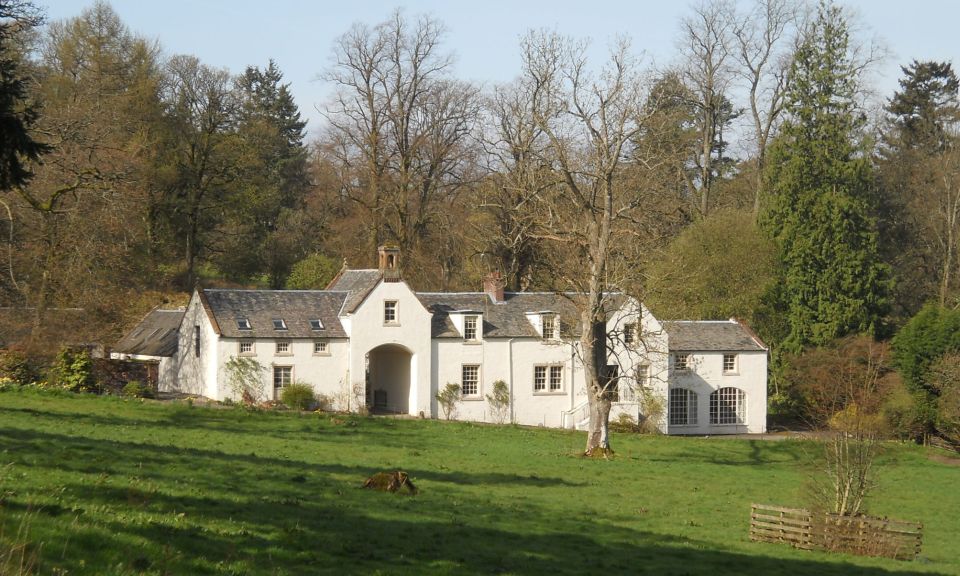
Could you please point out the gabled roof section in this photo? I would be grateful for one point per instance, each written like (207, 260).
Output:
(507, 319)
(711, 336)
(154, 335)
(260, 307)
(357, 284)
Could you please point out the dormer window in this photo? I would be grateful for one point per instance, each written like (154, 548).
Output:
(316, 324)
(243, 324)
(549, 326)
(279, 324)
(470, 331)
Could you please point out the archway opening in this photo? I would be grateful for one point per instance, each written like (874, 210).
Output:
(388, 379)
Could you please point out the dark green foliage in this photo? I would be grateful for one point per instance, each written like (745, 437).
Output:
(18, 111)
(921, 343)
(924, 107)
(137, 389)
(821, 210)
(73, 370)
(312, 273)
(298, 396)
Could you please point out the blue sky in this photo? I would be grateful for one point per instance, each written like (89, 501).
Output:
(484, 35)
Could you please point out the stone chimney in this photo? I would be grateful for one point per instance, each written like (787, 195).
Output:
(389, 261)
(493, 286)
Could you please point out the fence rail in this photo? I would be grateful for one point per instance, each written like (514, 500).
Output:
(863, 535)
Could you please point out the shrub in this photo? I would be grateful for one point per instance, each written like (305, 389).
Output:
(298, 396)
(245, 379)
(448, 399)
(73, 370)
(625, 423)
(499, 401)
(16, 366)
(137, 389)
(653, 408)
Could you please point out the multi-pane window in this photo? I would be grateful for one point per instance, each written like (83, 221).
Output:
(470, 380)
(547, 378)
(683, 407)
(643, 375)
(681, 361)
(549, 326)
(283, 346)
(282, 376)
(470, 328)
(629, 334)
(279, 324)
(729, 363)
(246, 347)
(728, 406)
(390, 312)
(320, 347)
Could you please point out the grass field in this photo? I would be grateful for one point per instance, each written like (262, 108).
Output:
(111, 486)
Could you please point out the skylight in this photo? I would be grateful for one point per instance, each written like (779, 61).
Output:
(316, 324)
(279, 324)
(243, 324)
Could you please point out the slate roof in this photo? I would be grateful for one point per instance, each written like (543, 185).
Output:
(507, 319)
(711, 336)
(357, 283)
(260, 307)
(155, 335)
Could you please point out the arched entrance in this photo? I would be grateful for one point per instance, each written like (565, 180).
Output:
(388, 379)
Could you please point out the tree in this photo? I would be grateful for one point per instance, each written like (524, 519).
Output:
(589, 122)
(821, 209)
(18, 110)
(400, 129)
(314, 272)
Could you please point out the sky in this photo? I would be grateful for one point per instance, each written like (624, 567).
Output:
(484, 36)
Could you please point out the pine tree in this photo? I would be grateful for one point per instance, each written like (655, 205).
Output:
(821, 209)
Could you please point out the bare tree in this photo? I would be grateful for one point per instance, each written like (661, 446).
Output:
(589, 121)
(400, 126)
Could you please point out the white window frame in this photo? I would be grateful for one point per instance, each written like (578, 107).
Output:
(471, 333)
(728, 407)
(548, 379)
(277, 369)
(734, 364)
(682, 406)
(681, 362)
(391, 312)
(554, 323)
(474, 392)
(251, 351)
(283, 348)
(321, 348)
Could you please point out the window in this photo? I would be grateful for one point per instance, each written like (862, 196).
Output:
(316, 324)
(683, 407)
(320, 347)
(629, 334)
(283, 347)
(246, 348)
(196, 340)
(282, 376)
(279, 324)
(681, 361)
(470, 380)
(390, 312)
(549, 326)
(243, 324)
(643, 375)
(470, 328)
(728, 406)
(729, 363)
(548, 378)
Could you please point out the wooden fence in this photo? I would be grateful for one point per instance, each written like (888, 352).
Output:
(863, 535)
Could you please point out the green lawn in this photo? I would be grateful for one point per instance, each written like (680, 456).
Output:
(111, 486)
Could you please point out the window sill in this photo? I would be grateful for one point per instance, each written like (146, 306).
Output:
(553, 393)
(247, 354)
(391, 324)
(472, 398)
(283, 353)
(731, 373)
(472, 342)
(321, 353)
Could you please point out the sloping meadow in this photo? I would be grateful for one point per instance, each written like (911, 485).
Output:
(103, 485)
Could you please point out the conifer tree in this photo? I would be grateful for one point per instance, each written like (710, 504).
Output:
(821, 207)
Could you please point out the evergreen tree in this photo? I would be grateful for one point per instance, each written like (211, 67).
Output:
(924, 108)
(18, 111)
(821, 209)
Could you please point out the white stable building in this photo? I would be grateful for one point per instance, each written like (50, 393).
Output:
(370, 341)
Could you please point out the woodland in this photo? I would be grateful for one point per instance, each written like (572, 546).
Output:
(758, 176)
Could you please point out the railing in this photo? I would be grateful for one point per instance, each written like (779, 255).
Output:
(571, 419)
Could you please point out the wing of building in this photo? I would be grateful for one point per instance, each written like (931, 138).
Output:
(371, 342)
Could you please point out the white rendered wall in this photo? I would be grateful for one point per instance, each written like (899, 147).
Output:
(197, 374)
(706, 376)
(412, 332)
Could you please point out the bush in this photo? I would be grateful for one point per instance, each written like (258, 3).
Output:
(137, 389)
(298, 396)
(448, 399)
(245, 379)
(499, 401)
(15, 366)
(73, 370)
(625, 424)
